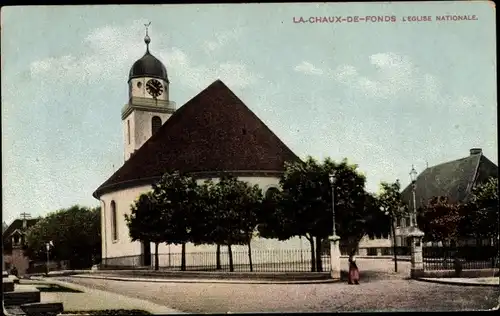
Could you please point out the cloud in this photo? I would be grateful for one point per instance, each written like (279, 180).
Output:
(221, 39)
(392, 76)
(308, 68)
(100, 61)
(345, 73)
(199, 76)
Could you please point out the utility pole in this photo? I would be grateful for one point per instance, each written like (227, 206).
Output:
(25, 215)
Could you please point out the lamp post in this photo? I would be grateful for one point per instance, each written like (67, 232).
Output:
(47, 247)
(413, 177)
(334, 241)
(332, 184)
(416, 235)
(393, 233)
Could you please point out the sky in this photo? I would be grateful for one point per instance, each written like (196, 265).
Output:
(385, 95)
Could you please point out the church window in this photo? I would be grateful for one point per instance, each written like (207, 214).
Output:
(128, 131)
(114, 226)
(139, 84)
(271, 191)
(155, 124)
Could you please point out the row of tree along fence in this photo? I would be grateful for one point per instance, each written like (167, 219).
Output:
(468, 257)
(262, 261)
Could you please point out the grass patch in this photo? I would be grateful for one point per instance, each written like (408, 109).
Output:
(112, 312)
(56, 288)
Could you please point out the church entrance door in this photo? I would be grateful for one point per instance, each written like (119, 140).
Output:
(146, 254)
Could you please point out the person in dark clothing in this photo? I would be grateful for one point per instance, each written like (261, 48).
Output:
(353, 270)
(13, 271)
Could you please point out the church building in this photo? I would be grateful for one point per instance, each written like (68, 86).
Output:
(213, 132)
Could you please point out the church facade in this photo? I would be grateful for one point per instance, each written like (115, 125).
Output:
(213, 132)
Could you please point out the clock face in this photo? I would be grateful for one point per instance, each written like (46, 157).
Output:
(154, 88)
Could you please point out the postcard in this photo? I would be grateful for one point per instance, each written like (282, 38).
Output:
(250, 158)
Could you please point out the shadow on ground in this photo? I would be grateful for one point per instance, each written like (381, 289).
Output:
(54, 288)
(368, 276)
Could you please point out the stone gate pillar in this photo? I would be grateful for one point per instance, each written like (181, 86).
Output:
(417, 259)
(335, 257)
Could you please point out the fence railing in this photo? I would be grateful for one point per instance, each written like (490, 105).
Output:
(469, 257)
(262, 261)
(41, 267)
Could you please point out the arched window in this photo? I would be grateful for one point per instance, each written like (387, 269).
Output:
(155, 124)
(271, 192)
(114, 226)
(128, 130)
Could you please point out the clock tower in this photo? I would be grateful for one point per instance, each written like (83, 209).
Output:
(148, 105)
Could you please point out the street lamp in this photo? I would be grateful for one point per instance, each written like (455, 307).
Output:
(393, 233)
(47, 247)
(413, 178)
(332, 183)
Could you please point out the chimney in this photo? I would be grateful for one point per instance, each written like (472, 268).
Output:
(476, 151)
(25, 223)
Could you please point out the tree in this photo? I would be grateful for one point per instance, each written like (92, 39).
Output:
(250, 202)
(304, 205)
(234, 216)
(441, 220)
(75, 233)
(482, 210)
(147, 222)
(177, 198)
(392, 206)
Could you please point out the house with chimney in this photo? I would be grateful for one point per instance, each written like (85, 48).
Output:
(13, 239)
(453, 179)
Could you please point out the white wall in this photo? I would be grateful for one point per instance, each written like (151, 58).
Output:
(124, 247)
(140, 129)
(123, 200)
(366, 242)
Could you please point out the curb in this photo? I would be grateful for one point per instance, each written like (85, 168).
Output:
(456, 283)
(177, 280)
(83, 288)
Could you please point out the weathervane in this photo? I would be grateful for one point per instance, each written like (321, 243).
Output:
(147, 40)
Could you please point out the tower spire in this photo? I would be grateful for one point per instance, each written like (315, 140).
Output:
(147, 40)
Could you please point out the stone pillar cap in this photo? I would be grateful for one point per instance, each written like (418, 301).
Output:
(415, 232)
(334, 238)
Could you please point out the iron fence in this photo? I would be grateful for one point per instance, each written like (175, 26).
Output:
(262, 261)
(468, 257)
(37, 267)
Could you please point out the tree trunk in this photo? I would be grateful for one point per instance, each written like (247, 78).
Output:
(319, 263)
(313, 257)
(231, 267)
(183, 257)
(218, 257)
(157, 260)
(250, 255)
(394, 249)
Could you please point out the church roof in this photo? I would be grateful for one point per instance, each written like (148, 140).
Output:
(148, 66)
(213, 132)
(454, 180)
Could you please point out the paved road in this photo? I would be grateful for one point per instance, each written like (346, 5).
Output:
(380, 290)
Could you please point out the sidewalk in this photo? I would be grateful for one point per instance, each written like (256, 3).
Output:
(488, 281)
(182, 280)
(93, 299)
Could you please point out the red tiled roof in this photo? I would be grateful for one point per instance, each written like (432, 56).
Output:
(213, 132)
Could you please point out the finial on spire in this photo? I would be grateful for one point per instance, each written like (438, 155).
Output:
(147, 40)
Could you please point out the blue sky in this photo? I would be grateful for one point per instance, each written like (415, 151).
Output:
(384, 95)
